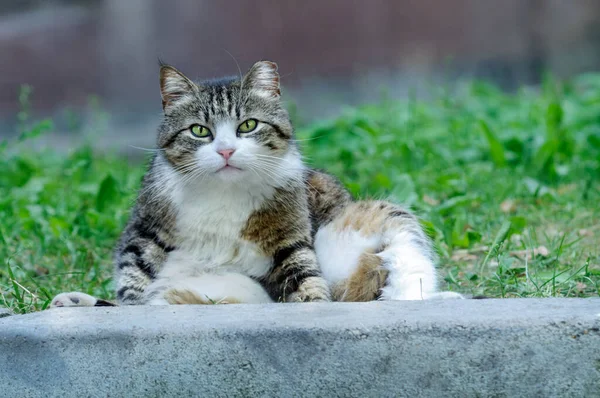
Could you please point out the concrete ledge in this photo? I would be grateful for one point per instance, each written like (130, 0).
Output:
(503, 348)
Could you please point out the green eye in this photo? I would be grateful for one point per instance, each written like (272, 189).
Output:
(199, 131)
(247, 126)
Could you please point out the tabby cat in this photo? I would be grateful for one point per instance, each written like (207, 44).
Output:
(229, 213)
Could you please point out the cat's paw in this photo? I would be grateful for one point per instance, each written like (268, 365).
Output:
(73, 299)
(78, 299)
(311, 289)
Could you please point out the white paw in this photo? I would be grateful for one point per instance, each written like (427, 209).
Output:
(73, 299)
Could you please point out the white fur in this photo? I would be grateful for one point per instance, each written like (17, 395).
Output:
(218, 288)
(338, 252)
(73, 299)
(412, 274)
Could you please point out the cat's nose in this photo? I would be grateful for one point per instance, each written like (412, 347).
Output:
(226, 153)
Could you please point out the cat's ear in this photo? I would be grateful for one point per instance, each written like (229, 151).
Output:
(263, 79)
(173, 85)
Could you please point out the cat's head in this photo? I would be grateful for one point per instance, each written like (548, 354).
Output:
(230, 130)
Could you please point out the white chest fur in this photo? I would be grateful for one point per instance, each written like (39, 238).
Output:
(210, 220)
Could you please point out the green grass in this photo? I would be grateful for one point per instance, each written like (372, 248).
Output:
(508, 186)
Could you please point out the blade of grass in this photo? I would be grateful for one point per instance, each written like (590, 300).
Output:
(498, 240)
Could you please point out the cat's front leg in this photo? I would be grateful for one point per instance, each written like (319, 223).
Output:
(312, 289)
(282, 229)
(141, 253)
(295, 276)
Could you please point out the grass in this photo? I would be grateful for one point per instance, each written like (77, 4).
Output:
(507, 185)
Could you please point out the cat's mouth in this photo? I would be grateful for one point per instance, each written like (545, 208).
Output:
(228, 167)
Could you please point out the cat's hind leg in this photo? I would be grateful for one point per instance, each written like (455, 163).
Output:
(377, 250)
(365, 283)
(78, 299)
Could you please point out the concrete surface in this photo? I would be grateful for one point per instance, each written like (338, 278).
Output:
(5, 312)
(462, 348)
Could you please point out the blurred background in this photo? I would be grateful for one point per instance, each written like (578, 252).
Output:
(89, 57)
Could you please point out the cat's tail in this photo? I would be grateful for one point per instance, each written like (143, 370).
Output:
(408, 255)
(78, 299)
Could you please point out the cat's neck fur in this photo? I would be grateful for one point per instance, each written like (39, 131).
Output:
(221, 208)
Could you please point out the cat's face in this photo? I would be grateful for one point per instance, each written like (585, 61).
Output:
(227, 130)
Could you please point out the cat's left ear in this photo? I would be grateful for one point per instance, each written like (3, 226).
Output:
(263, 79)
(174, 85)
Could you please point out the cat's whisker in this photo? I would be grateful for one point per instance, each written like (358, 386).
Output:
(273, 167)
(253, 169)
(275, 162)
(196, 175)
(146, 149)
(260, 155)
(308, 139)
(276, 174)
(277, 168)
(161, 181)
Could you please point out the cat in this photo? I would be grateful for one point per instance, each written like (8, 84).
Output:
(229, 213)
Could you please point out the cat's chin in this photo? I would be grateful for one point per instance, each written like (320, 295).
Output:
(229, 173)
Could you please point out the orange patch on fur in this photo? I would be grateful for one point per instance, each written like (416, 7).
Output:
(365, 283)
(367, 217)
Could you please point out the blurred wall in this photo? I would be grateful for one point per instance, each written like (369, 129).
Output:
(68, 50)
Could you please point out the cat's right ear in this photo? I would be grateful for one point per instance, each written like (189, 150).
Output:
(173, 85)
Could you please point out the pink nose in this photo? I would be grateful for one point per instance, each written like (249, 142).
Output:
(226, 153)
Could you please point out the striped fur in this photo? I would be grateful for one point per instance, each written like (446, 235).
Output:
(228, 213)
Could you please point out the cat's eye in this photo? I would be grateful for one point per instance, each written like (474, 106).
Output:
(247, 126)
(199, 131)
